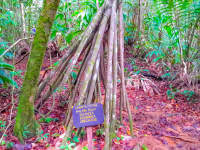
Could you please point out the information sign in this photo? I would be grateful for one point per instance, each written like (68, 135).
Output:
(87, 115)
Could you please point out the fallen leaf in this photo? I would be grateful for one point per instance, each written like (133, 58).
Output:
(148, 108)
(128, 132)
(116, 142)
(137, 84)
(170, 141)
(126, 138)
(55, 135)
(137, 147)
(188, 128)
(169, 106)
(34, 145)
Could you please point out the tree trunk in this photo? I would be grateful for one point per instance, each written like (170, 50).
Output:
(25, 120)
(121, 48)
(29, 21)
(23, 20)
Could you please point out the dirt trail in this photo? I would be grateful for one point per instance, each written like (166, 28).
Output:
(159, 123)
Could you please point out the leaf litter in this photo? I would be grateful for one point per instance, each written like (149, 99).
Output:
(159, 123)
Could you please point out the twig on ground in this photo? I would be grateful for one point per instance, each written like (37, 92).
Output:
(7, 106)
(22, 58)
(43, 76)
(181, 138)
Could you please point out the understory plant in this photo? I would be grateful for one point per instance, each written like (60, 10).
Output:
(6, 70)
(68, 146)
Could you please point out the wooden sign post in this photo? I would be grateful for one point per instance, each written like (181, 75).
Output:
(87, 116)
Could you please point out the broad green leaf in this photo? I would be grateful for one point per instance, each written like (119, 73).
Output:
(61, 16)
(144, 147)
(56, 90)
(62, 147)
(3, 142)
(72, 144)
(3, 43)
(46, 135)
(75, 139)
(74, 75)
(6, 66)
(146, 70)
(137, 72)
(171, 4)
(157, 58)
(166, 75)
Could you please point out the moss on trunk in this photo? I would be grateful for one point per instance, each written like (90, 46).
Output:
(26, 124)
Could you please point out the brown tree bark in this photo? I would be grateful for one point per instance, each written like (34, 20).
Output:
(25, 120)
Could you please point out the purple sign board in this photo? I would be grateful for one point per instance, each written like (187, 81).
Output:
(87, 115)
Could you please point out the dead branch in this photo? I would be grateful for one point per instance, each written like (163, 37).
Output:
(22, 58)
(14, 45)
(182, 138)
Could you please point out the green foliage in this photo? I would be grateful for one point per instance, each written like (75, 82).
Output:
(169, 75)
(25, 131)
(2, 125)
(120, 138)
(72, 18)
(74, 75)
(168, 34)
(166, 75)
(72, 34)
(3, 142)
(99, 132)
(48, 120)
(17, 73)
(75, 138)
(68, 146)
(164, 27)
(82, 134)
(7, 143)
(144, 147)
(40, 136)
(40, 132)
(84, 148)
(6, 70)
(188, 94)
(171, 93)
(55, 64)
(6, 20)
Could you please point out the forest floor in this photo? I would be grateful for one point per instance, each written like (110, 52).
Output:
(159, 123)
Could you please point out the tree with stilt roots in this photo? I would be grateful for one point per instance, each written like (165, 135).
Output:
(99, 44)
